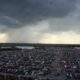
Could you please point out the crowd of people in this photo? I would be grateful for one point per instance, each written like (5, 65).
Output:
(42, 63)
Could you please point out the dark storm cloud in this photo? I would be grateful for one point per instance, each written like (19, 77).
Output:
(16, 13)
(70, 23)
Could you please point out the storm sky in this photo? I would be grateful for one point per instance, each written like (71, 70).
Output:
(40, 21)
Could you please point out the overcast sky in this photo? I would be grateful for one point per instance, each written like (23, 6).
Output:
(40, 21)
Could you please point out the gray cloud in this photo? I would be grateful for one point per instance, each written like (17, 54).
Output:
(70, 23)
(27, 34)
(67, 23)
(16, 13)
(18, 18)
